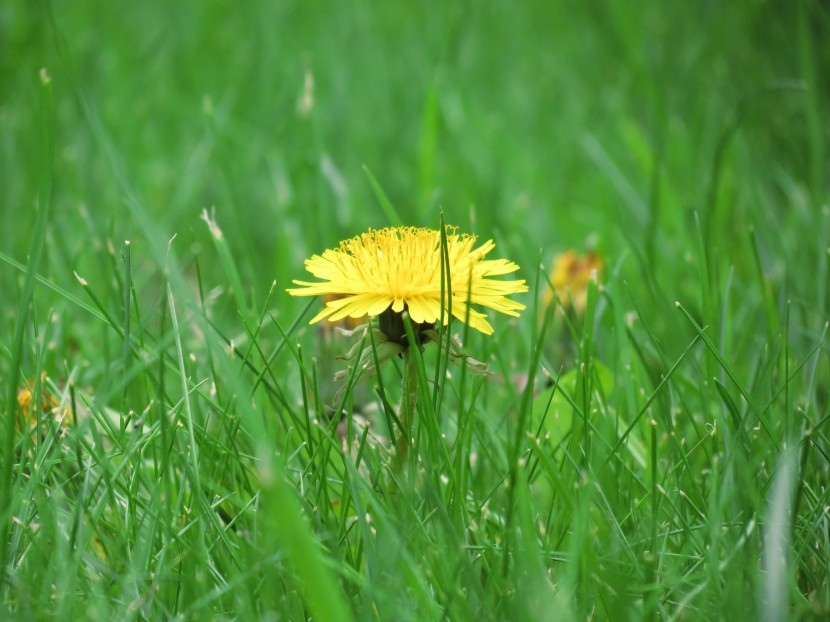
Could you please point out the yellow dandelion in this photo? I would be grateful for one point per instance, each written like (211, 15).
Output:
(49, 406)
(570, 276)
(399, 268)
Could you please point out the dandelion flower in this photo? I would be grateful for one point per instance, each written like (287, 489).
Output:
(48, 405)
(570, 276)
(399, 268)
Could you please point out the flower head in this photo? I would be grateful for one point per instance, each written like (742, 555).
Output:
(400, 268)
(49, 406)
(570, 276)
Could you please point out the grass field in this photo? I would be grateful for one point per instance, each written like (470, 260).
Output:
(661, 454)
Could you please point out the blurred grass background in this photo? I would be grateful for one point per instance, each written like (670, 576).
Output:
(687, 142)
(546, 124)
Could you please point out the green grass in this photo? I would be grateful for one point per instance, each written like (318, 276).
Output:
(673, 461)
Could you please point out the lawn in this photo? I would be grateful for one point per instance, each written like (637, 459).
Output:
(647, 440)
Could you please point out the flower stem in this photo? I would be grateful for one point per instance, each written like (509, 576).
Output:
(409, 399)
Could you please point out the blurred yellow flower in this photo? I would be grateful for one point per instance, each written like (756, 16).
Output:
(49, 406)
(570, 276)
(400, 268)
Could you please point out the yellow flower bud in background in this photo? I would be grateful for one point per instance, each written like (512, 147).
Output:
(570, 276)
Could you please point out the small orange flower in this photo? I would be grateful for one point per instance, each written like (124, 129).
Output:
(570, 276)
(49, 406)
